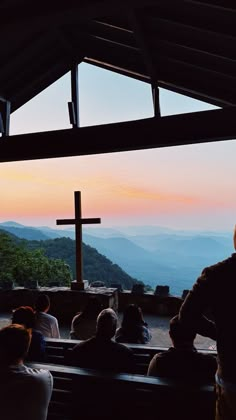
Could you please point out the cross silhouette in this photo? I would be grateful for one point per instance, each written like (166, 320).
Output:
(78, 221)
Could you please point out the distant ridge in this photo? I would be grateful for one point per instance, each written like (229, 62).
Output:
(24, 232)
(35, 233)
(13, 224)
(154, 255)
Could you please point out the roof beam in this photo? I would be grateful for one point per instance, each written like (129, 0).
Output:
(147, 57)
(186, 35)
(142, 43)
(190, 80)
(198, 14)
(71, 12)
(167, 131)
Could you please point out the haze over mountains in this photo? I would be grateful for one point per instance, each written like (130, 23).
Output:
(153, 254)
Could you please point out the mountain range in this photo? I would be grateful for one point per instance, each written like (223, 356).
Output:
(152, 254)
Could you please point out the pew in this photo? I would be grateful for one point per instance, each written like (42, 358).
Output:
(56, 350)
(88, 394)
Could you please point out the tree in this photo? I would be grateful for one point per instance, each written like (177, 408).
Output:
(22, 265)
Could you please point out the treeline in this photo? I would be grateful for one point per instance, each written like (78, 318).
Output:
(22, 265)
(53, 260)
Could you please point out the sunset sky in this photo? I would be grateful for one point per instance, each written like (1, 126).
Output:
(188, 187)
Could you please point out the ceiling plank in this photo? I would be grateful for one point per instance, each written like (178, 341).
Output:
(189, 36)
(191, 80)
(67, 13)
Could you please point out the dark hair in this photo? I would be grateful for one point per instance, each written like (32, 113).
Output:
(14, 343)
(42, 302)
(24, 315)
(132, 316)
(92, 308)
(181, 332)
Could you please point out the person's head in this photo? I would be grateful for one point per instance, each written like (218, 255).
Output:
(14, 344)
(42, 303)
(106, 323)
(132, 316)
(24, 315)
(181, 334)
(92, 308)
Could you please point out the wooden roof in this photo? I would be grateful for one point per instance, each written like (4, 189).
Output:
(186, 46)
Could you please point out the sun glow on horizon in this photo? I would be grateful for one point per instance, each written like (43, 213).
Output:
(42, 191)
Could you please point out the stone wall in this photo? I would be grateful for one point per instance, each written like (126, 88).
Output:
(151, 303)
(65, 303)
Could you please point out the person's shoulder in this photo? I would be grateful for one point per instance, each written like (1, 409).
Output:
(37, 334)
(142, 328)
(119, 334)
(37, 337)
(164, 354)
(119, 330)
(50, 318)
(84, 344)
(81, 351)
(159, 360)
(77, 317)
(221, 265)
(37, 375)
(207, 358)
(122, 348)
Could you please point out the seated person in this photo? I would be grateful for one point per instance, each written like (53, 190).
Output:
(183, 361)
(24, 392)
(45, 323)
(133, 327)
(83, 325)
(24, 315)
(100, 352)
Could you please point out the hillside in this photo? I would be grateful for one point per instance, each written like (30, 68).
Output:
(152, 254)
(174, 259)
(95, 266)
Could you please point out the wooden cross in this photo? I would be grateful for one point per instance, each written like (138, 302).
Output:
(78, 221)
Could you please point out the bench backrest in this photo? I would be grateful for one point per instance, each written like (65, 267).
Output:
(56, 350)
(86, 394)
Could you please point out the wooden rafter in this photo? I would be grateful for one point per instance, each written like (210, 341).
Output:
(199, 127)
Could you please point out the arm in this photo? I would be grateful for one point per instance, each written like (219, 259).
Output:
(195, 304)
(55, 330)
(152, 367)
(146, 334)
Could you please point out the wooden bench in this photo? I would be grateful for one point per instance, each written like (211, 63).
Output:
(56, 350)
(88, 394)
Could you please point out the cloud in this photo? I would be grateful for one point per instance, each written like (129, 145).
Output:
(133, 192)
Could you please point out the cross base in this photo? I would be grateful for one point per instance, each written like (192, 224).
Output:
(82, 285)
